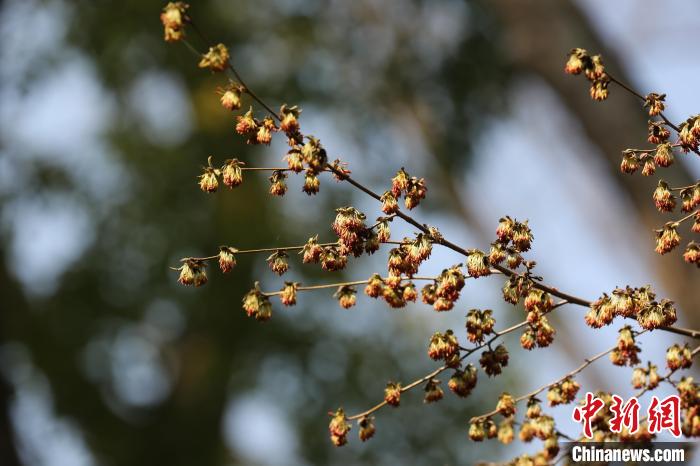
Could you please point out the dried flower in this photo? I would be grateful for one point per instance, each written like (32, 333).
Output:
(216, 59)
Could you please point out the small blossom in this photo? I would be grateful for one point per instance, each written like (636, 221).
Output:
(278, 187)
(288, 295)
(231, 96)
(534, 409)
(374, 287)
(174, 18)
(208, 181)
(265, 130)
(246, 124)
(256, 304)
(314, 154)
(663, 157)
(278, 262)
(679, 357)
(339, 428)
(599, 89)
(630, 162)
(477, 264)
(294, 159)
(367, 428)
(289, 123)
(663, 198)
(479, 324)
(692, 253)
(649, 167)
(522, 236)
(216, 59)
(477, 431)
(311, 183)
(433, 392)
(192, 272)
(227, 260)
(563, 392)
(578, 58)
(494, 360)
(409, 293)
(311, 251)
(505, 431)
(392, 393)
(595, 70)
(346, 296)
(601, 313)
(667, 238)
(443, 346)
(383, 230)
(654, 379)
(429, 294)
(655, 315)
(400, 183)
(232, 174)
(655, 102)
(332, 260)
(506, 405)
(639, 376)
(658, 133)
(463, 382)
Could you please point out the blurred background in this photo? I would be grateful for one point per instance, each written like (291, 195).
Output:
(106, 360)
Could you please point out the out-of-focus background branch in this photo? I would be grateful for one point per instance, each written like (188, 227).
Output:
(105, 360)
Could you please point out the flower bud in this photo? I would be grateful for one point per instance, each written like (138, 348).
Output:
(392, 393)
(216, 59)
(433, 392)
(278, 262)
(506, 405)
(655, 102)
(231, 172)
(227, 260)
(663, 198)
(667, 238)
(278, 187)
(311, 183)
(346, 296)
(339, 428)
(288, 295)
(367, 429)
(192, 272)
(208, 181)
(663, 157)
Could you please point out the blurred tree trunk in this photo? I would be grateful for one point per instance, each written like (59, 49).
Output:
(538, 34)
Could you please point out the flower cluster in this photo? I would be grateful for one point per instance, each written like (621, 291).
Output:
(479, 324)
(626, 353)
(413, 189)
(636, 303)
(592, 67)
